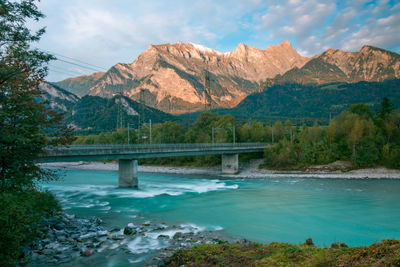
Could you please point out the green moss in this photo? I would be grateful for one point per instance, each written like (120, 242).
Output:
(386, 253)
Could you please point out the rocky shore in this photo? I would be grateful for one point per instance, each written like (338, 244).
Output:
(73, 241)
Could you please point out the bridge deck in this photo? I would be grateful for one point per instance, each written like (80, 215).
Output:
(115, 152)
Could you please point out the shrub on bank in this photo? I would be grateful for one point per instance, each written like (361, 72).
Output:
(386, 253)
(20, 217)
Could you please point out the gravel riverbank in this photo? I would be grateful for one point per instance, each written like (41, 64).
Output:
(247, 171)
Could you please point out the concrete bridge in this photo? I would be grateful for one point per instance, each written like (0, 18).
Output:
(127, 155)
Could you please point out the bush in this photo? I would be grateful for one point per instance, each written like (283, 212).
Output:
(20, 216)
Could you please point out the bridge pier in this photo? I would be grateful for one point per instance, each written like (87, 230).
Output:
(230, 163)
(128, 173)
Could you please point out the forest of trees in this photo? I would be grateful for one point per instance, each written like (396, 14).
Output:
(356, 135)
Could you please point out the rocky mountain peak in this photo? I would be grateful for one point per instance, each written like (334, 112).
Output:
(369, 48)
(172, 75)
(246, 52)
(286, 43)
(330, 51)
(369, 64)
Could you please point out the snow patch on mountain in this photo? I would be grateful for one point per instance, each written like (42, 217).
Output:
(205, 49)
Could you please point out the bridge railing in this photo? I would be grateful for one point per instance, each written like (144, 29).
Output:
(150, 147)
(180, 145)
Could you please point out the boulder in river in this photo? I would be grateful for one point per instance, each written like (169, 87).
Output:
(87, 252)
(129, 230)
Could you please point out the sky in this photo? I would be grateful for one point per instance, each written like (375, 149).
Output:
(103, 33)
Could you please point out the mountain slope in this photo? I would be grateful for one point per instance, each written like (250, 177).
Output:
(97, 113)
(314, 101)
(369, 64)
(80, 85)
(172, 77)
(59, 98)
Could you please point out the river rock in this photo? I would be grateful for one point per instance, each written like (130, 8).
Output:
(61, 238)
(129, 231)
(178, 235)
(59, 226)
(163, 237)
(117, 236)
(87, 236)
(87, 253)
(47, 251)
(102, 233)
(159, 228)
(70, 216)
(115, 229)
(60, 257)
(95, 220)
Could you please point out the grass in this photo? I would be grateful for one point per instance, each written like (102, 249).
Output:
(385, 253)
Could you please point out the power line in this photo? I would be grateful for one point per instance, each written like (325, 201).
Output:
(89, 65)
(59, 72)
(73, 72)
(76, 64)
(77, 60)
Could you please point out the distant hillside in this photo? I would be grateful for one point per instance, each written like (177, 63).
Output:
(60, 99)
(99, 114)
(369, 64)
(80, 85)
(94, 112)
(313, 101)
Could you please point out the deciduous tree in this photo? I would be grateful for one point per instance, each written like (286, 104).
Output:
(25, 121)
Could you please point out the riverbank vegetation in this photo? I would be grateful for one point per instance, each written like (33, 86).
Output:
(24, 124)
(386, 253)
(357, 136)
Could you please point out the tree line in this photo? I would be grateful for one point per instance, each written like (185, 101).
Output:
(356, 135)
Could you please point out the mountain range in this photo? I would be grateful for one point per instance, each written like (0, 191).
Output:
(369, 64)
(186, 77)
(178, 78)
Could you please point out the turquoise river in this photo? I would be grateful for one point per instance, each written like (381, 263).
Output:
(358, 212)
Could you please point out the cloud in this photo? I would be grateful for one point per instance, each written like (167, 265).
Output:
(315, 25)
(106, 32)
(103, 32)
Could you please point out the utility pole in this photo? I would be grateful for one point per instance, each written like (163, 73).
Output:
(233, 131)
(212, 134)
(142, 101)
(150, 132)
(119, 109)
(206, 94)
(128, 133)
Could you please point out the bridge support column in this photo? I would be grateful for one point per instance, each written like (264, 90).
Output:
(230, 163)
(127, 173)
